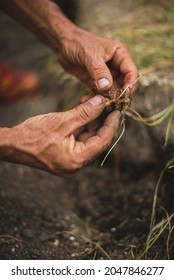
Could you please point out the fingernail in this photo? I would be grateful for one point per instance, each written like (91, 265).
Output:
(102, 83)
(96, 100)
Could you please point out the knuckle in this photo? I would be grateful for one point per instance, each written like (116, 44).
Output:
(83, 112)
(122, 50)
(98, 67)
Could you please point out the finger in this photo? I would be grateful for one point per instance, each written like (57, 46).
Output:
(122, 61)
(100, 142)
(100, 74)
(83, 137)
(130, 83)
(83, 114)
(89, 131)
(91, 127)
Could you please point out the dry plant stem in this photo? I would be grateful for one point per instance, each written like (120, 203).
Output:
(163, 224)
(156, 191)
(168, 241)
(152, 222)
(10, 237)
(150, 121)
(85, 239)
(169, 236)
(128, 87)
(150, 239)
(171, 167)
(168, 128)
(122, 125)
(132, 247)
(155, 119)
(118, 99)
(124, 105)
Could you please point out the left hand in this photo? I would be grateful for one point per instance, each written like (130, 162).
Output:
(62, 143)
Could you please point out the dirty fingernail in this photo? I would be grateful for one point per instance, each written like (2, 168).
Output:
(96, 100)
(102, 83)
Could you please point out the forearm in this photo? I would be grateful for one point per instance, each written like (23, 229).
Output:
(42, 17)
(10, 151)
(15, 150)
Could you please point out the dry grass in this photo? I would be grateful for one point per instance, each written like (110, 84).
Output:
(150, 46)
(85, 240)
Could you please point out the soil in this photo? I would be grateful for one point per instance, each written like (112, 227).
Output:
(105, 212)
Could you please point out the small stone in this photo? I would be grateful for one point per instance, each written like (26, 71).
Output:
(56, 242)
(74, 255)
(72, 238)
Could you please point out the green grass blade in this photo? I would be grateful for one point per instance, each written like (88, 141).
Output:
(168, 129)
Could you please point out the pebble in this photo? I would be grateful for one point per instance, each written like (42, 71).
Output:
(74, 255)
(113, 229)
(72, 238)
(56, 242)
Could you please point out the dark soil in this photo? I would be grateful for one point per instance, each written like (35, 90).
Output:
(105, 211)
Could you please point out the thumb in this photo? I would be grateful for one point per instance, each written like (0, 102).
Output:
(85, 113)
(100, 74)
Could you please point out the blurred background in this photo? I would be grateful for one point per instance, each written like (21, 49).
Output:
(43, 216)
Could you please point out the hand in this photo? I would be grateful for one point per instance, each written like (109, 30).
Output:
(95, 60)
(100, 62)
(62, 143)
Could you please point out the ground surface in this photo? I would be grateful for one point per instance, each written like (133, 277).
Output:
(104, 212)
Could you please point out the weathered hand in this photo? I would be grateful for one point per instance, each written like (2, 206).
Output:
(62, 143)
(99, 62)
(95, 60)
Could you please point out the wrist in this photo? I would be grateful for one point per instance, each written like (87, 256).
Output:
(14, 150)
(6, 149)
(61, 29)
(10, 150)
(54, 27)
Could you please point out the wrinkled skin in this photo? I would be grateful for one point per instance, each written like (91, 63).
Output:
(62, 143)
(91, 58)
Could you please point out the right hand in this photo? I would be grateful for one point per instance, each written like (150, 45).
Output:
(100, 62)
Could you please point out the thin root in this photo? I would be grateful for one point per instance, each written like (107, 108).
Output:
(122, 125)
